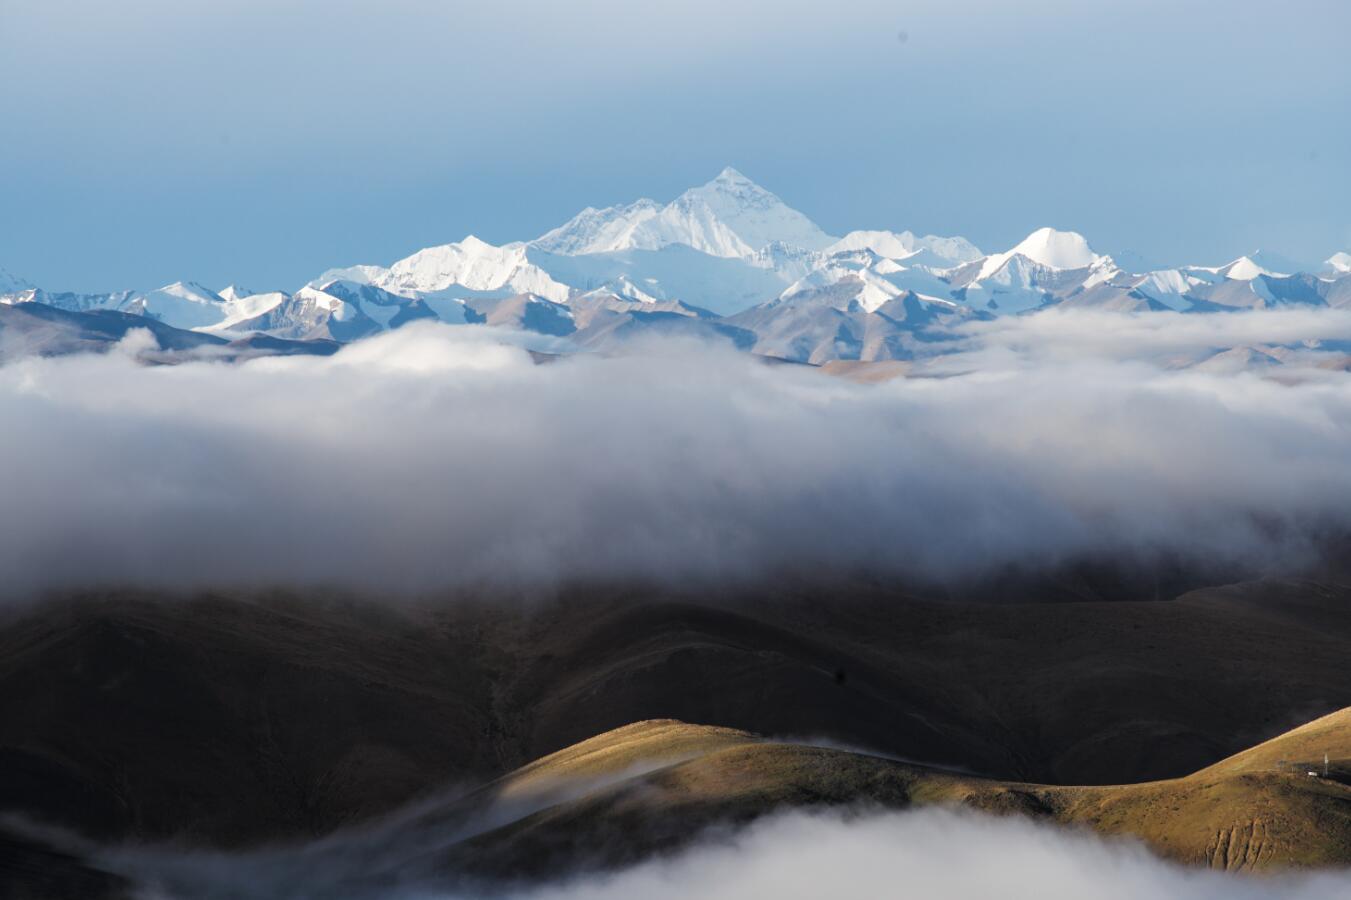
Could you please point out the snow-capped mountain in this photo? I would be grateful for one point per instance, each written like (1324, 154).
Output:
(929, 250)
(181, 304)
(472, 264)
(1047, 248)
(1248, 267)
(600, 230)
(719, 284)
(727, 260)
(1030, 275)
(729, 216)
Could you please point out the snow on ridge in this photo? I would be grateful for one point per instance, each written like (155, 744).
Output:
(906, 246)
(472, 264)
(359, 274)
(729, 216)
(243, 307)
(598, 230)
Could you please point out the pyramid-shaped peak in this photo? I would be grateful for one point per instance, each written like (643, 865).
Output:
(730, 181)
(1046, 247)
(1057, 249)
(729, 216)
(1247, 268)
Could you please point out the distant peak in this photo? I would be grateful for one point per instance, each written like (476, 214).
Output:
(730, 181)
(730, 175)
(187, 287)
(1247, 268)
(235, 292)
(1058, 249)
(1047, 234)
(1046, 247)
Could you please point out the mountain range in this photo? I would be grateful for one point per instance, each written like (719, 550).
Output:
(727, 260)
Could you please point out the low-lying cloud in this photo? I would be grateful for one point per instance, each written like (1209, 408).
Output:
(1086, 334)
(437, 457)
(932, 853)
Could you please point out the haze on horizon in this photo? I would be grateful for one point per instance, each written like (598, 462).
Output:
(261, 143)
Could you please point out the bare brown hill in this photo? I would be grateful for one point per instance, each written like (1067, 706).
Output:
(1252, 812)
(232, 719)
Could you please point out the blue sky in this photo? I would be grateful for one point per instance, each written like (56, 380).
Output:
(262, 142)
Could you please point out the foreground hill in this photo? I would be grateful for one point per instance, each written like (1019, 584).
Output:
(657, 786)
(1250, 812)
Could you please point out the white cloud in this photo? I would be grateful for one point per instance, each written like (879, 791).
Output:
(931, 853)
(435, 456)
(1067, 335)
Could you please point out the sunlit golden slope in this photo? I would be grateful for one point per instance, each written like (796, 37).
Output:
(1248, 812)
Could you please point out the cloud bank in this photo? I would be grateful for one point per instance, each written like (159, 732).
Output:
(438, 457)
(934, 853)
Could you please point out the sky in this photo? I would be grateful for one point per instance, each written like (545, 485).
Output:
(264, 141)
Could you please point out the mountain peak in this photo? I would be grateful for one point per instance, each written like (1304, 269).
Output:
(235, 292)
(189, 290)
(731, 176)
(1047, 247)
(730, 183)
(932, 250)
(1057, 249)
(730, 216)
(1247, 268)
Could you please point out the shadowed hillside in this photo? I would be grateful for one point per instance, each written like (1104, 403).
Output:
(287, 716)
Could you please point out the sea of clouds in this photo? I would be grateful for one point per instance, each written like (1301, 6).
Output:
(437, 456)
